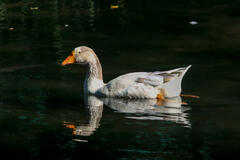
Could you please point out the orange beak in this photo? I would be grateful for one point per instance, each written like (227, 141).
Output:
(70, 59)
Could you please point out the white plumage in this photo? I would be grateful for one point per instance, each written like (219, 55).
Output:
(132, 85)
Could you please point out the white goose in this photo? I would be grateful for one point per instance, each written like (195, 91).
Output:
(157, 84)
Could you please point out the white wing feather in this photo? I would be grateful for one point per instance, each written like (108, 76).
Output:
(145, 84)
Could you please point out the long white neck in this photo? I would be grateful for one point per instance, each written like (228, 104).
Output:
(94, 78)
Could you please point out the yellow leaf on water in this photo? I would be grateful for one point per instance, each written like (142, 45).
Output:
(114, 6)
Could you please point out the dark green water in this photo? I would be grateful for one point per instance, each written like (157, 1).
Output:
(42, 109)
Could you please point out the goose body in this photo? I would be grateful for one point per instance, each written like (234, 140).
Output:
(132, 85)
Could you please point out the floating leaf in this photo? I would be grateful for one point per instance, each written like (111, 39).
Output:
(193, 22)
(114, 6)
(34, 8)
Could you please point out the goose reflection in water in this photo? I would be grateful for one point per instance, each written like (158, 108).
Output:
(143, 109)
(140, 109)
(170, 109)
(95, 109)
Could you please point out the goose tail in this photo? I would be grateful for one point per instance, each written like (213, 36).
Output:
(173, 87)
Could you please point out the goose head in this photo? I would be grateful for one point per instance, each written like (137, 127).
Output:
(81, 55)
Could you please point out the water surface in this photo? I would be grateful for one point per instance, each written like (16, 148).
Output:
(44, 114)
